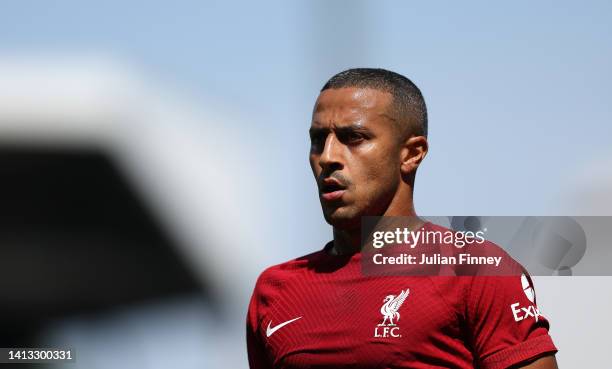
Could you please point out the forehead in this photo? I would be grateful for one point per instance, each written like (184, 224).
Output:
(345, 105)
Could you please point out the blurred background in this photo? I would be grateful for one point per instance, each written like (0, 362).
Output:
(153, 156)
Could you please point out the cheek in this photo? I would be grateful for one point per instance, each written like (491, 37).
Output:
(379, 162)
(313, 160)
(377, 174)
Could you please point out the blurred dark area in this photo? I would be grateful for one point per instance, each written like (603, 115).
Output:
(76, 239)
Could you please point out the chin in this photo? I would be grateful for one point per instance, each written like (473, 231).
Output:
(342, 218)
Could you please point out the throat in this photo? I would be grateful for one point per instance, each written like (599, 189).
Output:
(346, 242)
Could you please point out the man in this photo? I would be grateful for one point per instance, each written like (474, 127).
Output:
(368, 137)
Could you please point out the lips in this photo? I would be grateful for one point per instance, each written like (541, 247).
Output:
(331, 196)
(331, 189)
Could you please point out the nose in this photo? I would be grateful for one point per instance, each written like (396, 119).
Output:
(330, 158)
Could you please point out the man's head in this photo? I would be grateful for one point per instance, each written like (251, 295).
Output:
(367, 139)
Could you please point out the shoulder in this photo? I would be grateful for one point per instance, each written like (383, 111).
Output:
(482, 267)
(278, 275)
(478, 255)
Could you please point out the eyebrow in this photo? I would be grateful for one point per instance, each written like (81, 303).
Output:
(355, 127)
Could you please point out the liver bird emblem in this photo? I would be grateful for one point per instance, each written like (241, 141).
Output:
(390, 309)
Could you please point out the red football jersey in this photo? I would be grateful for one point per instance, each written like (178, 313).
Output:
(321, 311)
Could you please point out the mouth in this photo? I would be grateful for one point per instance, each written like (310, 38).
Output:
(331, 189)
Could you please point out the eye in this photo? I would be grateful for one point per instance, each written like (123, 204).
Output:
(317, 139)
(352, 138)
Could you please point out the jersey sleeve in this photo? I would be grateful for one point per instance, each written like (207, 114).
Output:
(506, 327)
(258, 358)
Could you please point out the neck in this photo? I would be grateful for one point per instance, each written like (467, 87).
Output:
(348, 241)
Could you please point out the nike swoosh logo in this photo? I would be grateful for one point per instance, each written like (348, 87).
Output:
(270, 331)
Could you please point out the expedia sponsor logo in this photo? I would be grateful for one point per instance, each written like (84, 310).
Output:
(391, 315)
(523, 312)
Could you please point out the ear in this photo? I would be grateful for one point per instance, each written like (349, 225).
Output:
(413, 151)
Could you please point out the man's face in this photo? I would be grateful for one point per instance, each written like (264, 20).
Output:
(354, 154)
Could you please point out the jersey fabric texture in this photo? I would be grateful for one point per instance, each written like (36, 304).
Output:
(320, 311)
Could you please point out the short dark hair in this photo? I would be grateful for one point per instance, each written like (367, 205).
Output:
(408, 106)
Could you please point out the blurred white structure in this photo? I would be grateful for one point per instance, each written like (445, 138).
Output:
(192, 168)
(188, 162)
